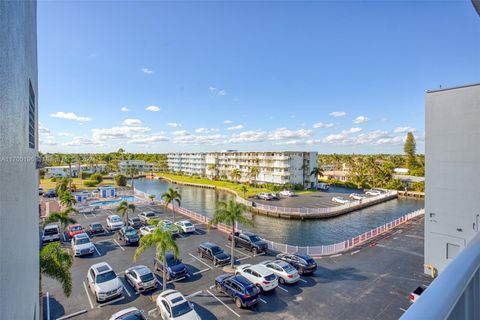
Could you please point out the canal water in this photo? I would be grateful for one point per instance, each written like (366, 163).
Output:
(293, 232)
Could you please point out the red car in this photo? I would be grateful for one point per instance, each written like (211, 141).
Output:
(74, 229)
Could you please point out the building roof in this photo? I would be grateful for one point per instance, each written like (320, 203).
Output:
(453, 88)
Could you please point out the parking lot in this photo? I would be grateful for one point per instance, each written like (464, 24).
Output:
(371, 282)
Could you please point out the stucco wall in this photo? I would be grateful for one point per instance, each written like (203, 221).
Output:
(19, 239)
(452, 152)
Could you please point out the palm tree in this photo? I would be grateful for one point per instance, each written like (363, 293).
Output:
(69, 160)
(56, 262)
(151, 197)
(230, 213)
(123, 208)
(213, 167)
(316, 172)
(172, 196)
(63, 217)
(131, 171)
(236, 175)
(163, 242)
(254, 171)
(244, 190)
(67, 199)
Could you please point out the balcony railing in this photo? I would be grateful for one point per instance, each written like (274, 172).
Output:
(455, 293)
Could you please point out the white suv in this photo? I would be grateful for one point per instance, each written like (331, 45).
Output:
(173, 305)
(259, 275)
(103, 282)
(82, 245)
(51, 232)
(114, 222)
(186, 226)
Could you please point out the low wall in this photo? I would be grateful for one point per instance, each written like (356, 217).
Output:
(411, 194)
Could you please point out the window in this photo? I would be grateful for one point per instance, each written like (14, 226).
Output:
(31, 117)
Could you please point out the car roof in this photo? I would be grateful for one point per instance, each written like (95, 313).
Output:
(260, 268)
(241, 280)
(184, 221)
(247, 233)
(81, 235)
(113, 216)
(74, 225)
(141, 270)
(209, 245)
(124, 312)
(51, 226)
(303, 256)
(101, 267)
(95, 223)
(281, 263)
(173, 297)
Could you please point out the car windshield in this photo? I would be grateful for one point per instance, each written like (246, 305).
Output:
(188, 224)
(132, 316)
(288, 268)
(270, 277)
(107, 276)
(82, 241)
(147, 277)
(50, 231)
(131, 232)
(77, 228)
(172, 261)
(181, 309)
(216, 250)
(251, 290)
(255, 238)
(115, 219)
(135, 219)
(96, 226)
(310, 261)
(149, 214)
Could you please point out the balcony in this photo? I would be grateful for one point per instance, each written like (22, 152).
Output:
(455, 293)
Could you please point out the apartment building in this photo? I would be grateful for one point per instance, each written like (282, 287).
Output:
(273, 167)
(19, 210)
(63, 171)
(140, 165)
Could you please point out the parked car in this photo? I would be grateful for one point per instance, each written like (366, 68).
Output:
(103, 282)
(168, 225)
(141, 278)
(172, 305)
(174, 266)
(134, 222)
(146, 215)
(415, 294)
(240, 289)
(51, 232)
(374, 192)
(323, 186)
(81, 245)
(275, 196)
(74, 229)
(249, 241)
(259, 275)
(264, 196)
(114, 222)
(131, 313)
(40, 191)
(51, 193)
(95, 228)
(185, 226)
(357, 196)
(128, 235)
(302, 262)
(340, 200)
(285, 272)
(146, 230)
(287, 193)
(213, 252)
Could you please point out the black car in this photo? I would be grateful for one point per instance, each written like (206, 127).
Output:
(128, 235)
(242, 291)
(51, 193)
(300, 261)
(134, 222)
(213, 252)
(174, 268)
(95, 228)
(249, 241)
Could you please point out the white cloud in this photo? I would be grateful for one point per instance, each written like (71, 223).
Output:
(174, 124)
(228, 121)
(360, 119)
(80, 141)
(217, 92)
(338, 114)
(404, 129)
(280, 134)
(103, 134)
(206, 130)
(47, 142)
(132, 122)
(199, 139)
(69, 116)
(152, 108)
(321, 125)
(124, 109)
(181, 133)
(146, 139)
(248, 136)
(237, 127)
(284, 133)
(352, 130)
(147, 71)
(336, 138)
(64, 134)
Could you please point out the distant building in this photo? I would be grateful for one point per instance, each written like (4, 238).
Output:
(63, 171)
(452, 153)
(140, 165)
(340, 175)
(274, 167)
(19, 207)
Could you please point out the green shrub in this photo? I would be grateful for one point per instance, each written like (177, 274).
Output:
(90, 183)
(85, 175)
(395, 184)
(418, 186)
(153, 222)
(121, 180)
(96, 176)
(53, 179)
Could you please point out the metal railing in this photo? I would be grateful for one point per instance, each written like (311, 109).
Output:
(455, 293)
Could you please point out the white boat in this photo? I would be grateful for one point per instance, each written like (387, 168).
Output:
(357, 196)
(323, 186)
(287, 193)
(340, 200)
(373, 192)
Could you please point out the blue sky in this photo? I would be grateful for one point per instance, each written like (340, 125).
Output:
(205, 76)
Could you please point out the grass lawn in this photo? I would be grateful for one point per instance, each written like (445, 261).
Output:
(47, 184)
(237, 187)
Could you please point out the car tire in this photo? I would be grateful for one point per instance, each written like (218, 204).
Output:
(281, 280)
(200, 254)
(96, 298)
(259, 287)
(254, 250)
(301, 271)
(215, 262)
(238, 302)
(218, 288)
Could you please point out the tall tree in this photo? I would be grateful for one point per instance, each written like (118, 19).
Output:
(235, 175)
(230, 213)
(172, 196)
(131, 171)
(67, 199)
(123, 208)
(62, 217)
(316, 172)
(410, 149)
(69, 160)
(163, 241)
(56, 262)
(254, 172)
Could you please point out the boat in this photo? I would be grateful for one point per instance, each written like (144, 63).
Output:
(357, 196)
(340, 200)
(323, 187)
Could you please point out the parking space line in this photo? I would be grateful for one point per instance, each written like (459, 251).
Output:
(175, 280)
(194, 294)
(214, 296)
(151, 312)
(110, 302)
(118, 244)
(126, 290)
(230, 248)
(262, 300)
(88, 296)
(303, 280)
(201, 271)
(98, 252)
(403, 310)
(199, 260)
(48, 306)
(243, 258)
(282, 288)
(196, 232)
(71, 315)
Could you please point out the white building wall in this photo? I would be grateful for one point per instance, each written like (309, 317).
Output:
(452, 154)
(19, 211)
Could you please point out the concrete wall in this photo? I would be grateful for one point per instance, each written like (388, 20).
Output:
(452, 150)
(19, 238)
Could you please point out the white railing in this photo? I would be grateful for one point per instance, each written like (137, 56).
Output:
(455, 293)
